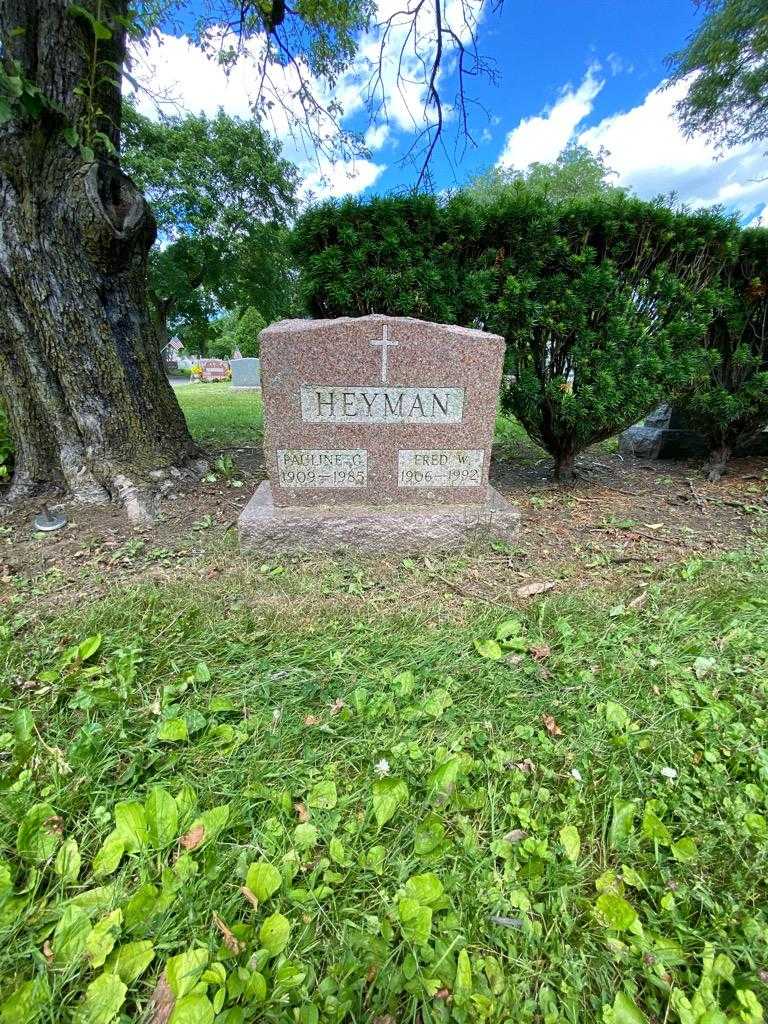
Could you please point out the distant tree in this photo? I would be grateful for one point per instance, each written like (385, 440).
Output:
(731, 407)
(578, 173)
(245, 336)
(222, 196)
(728, 98)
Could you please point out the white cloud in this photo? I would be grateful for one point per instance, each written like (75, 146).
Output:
(342, 177)
(541, 139)
(377, 135)
(646, 149)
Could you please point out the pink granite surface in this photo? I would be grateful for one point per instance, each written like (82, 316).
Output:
(315, 355)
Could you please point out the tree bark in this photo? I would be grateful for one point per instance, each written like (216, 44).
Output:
(717, 463)
(90, 408)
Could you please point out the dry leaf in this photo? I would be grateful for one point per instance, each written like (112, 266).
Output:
(540, 651)
(443, 993)
(233, 944)
(639, 601)
(250, 896)
(55, 825)
(312, 720)
(517, 835)
(337, 706)
(531, 589)
(514, 659)
(192, 839)
(301, 811)
(48, 951)
(551, 725)
(162, 1002)
(526, 766)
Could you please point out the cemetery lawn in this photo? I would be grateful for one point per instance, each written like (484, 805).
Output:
(287, 793)
(219, 416)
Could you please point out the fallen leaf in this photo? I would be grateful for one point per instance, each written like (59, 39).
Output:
(312, 720)
(337, 706)
(531, 589)
(55, 825)
(233, 944)
(514, 659)
(162, 1002)
(48, 951)
(639, 601)
(443, 993)
(540, 651)
(249, 896)
(526, 766)
(192, 839)
(551, 725)
(301, 811)
(517, 835)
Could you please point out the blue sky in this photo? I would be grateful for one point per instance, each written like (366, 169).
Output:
(590, 71)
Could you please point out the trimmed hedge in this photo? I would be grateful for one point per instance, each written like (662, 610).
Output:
(603, 302)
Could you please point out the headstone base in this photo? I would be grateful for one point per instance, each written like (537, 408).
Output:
(269, 528)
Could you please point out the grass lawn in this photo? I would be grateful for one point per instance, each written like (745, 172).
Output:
(220, 417)
(549, 812)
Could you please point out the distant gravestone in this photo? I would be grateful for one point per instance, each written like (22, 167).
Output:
(666, 434)
(246, 373)
(378, 437)
(215, 369)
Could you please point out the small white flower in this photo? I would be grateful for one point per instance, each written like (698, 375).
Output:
(382, 768)
(576, 774)
(669, 773)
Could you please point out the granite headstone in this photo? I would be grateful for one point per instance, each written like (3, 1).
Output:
(378, 435)
(246, 372)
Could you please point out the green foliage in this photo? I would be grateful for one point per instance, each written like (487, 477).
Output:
(576, 174)
(222, 196)
(603, 300)
(727, 57)
(603, 304)
(463, 868)
(245, 335)
(731, 407)
(393, 255)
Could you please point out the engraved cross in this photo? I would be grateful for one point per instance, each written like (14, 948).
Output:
(384, 344)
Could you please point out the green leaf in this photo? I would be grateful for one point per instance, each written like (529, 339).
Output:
(70, 935)
(388, 796)
(25, 1005)
(684, 850)
(415, 921)
(323, 796)
(109, 855)
(162, 817)
(173, 730)
(67, 863)
(141, 906)
(305, 836)
(338, 853)
(616, 715)
(38, 836)
(202, 673)
(263, 879)
(183, 972)
(622, 822)
(6, 114)
(653, 827)
(130, 961)
(429, 836)
(103, 999)
(131, 825)
(508, 628)
(102, 938)
(462, 984)
(489, 649)
(71, 137)
(426, 889)
(614, 912)
(275, 933)
(193, 1009)
(571, 842)
(212, 822)
(89, 647)
(99, 29)
(623, 1011)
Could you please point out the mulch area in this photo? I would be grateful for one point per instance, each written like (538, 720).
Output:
(620, 514)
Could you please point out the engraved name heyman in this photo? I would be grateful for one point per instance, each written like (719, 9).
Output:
(381, 405)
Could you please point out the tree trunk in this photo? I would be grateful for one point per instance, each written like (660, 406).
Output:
(90, 408)
(717, 464)
(565, 466)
